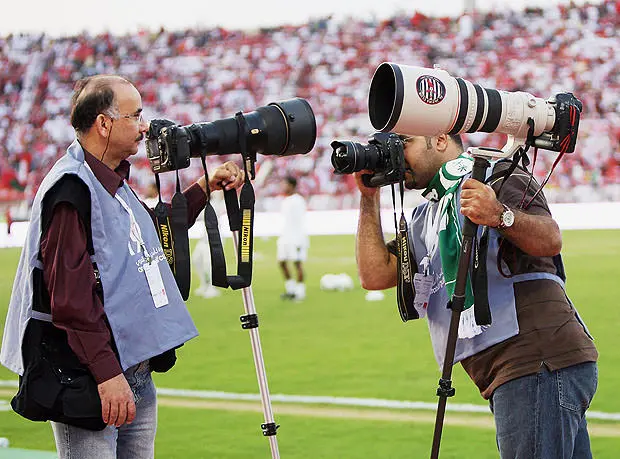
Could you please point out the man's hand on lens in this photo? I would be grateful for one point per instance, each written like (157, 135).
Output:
(117, 402)
(366, 191)
(227, 176)
(479, 203)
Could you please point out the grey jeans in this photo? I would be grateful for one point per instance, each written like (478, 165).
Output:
(129, 441)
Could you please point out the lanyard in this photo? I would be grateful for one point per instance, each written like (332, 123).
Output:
(134, 229)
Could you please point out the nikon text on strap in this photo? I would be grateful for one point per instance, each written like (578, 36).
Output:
(171, 222)
(405, 290)
(240, 217)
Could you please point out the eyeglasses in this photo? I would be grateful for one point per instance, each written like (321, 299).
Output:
(139, 117)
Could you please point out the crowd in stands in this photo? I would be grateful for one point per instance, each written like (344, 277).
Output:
(206, 75)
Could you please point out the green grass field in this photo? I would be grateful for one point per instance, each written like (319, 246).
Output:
(338, 344)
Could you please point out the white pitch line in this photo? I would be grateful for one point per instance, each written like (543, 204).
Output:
(338, 401)
(348, 401)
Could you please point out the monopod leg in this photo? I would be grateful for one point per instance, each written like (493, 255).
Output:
(250, 322)
(457, 303)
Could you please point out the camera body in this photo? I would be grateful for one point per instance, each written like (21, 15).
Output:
(384, 155)
(563, 134)
(167, 146)
(281, 128)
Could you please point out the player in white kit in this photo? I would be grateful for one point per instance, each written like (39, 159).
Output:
(293, 242)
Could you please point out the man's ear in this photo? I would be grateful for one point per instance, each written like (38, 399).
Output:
(103, 125)
(442, 142)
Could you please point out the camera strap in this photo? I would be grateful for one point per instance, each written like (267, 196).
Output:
(172, 229)
(241, 218)
(405, 290)
(480, 284)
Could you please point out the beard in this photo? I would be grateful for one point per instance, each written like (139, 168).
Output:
(410, 182)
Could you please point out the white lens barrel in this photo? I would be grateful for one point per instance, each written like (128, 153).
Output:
(517, 107)
(421, 101)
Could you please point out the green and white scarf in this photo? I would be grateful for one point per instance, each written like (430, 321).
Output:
(443, 229)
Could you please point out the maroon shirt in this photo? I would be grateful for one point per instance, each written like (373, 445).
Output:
(70, 280)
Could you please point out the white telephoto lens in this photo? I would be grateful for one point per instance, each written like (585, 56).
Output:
(422, 101)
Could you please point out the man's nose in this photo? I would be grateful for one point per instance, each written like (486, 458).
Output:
(144, 125)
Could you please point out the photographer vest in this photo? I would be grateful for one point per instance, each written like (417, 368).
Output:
(123, 237)
(500, 291)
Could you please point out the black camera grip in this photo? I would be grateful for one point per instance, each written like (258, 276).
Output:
(372, 180)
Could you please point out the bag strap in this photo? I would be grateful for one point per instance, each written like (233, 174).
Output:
(72, 190)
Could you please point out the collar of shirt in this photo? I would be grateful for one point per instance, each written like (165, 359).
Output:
(110, 179)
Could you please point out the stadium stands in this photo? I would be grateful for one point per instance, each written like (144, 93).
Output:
(204, 75)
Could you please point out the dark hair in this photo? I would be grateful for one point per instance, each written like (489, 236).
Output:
(92, 96)
(457, 140)
(291, 181)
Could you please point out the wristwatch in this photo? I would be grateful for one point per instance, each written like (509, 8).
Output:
(507, 218)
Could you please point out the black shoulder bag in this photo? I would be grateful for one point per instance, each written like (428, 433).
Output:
(55, 386)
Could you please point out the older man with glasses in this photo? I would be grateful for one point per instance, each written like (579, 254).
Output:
(93, 286)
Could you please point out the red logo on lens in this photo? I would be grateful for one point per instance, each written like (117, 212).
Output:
(430, 89)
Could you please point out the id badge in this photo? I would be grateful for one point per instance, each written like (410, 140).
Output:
(156, 284)
(423, 284)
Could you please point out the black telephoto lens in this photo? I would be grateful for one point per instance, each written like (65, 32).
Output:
(281, 128)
